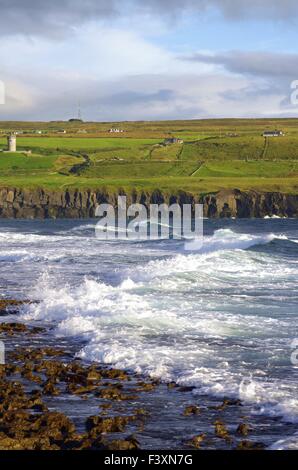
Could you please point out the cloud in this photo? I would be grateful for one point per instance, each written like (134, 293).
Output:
(269, 76)
(130, 98)
(258, 64)
(230, 9)
(142, 97)
(118, 75)
(54, 18)
(57, 18)
(121, 72)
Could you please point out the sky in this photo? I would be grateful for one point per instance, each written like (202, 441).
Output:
(147, 59)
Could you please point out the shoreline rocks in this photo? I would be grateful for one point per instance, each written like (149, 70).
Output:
(10, 307)
(39, 380)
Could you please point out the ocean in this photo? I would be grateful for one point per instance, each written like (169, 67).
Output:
(222, 319)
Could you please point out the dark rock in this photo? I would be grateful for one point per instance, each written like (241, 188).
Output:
(146, 387)
(130, 443)
(186, 389)
(97, 425)
(50, 389)
(18, 328)
(74, 203)
(53, 425)
(197, 441)
(249, 445)
(171, 385)
(10, 307)
(28, 443)
(221, 431)
(191, 410)
(243, 429)
(113, 393)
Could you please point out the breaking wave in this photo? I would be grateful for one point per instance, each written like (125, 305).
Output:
(218, 319)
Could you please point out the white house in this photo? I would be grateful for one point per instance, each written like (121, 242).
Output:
(115, 130)
(273, 134)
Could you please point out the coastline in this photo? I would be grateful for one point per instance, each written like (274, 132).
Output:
(51, 400)
(17, 203)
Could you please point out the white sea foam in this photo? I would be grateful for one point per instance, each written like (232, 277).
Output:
(81, 228)
(15, 256)
(226, 239)
(21, 256)
(215, 319)
(28, 238)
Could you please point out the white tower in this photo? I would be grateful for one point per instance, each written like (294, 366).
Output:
(12, 143)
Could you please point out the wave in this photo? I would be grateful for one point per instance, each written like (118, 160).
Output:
(192, 318)
(18, 256)
(226, 239)
(129, 328)
(15, 256)
(28, 238)
(80, 228)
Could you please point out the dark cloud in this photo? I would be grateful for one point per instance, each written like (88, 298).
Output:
(258, 64)
(231, 9)
(59, 17)
(52, 18)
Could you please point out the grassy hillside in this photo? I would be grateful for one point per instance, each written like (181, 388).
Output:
(216, 154)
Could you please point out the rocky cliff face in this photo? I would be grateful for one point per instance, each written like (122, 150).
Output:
(39, 203)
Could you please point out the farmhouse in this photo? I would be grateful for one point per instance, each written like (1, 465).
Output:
(115, 130)
(173, 140)
(273, 134)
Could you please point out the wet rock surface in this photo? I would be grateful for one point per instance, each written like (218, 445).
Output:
(10, 307)
(49, 400)
(17, 328)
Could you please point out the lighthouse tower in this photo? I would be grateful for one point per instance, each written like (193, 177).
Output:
(12, 143)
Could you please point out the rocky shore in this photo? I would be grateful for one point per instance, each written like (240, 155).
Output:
(40, 203)
(50, 400)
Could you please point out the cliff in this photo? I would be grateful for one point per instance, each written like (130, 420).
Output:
(39, 203)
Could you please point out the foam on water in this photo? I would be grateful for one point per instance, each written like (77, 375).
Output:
(11, 237)
(221, 319)
(226, 239)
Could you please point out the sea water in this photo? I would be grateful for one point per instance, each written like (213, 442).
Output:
(223, 318)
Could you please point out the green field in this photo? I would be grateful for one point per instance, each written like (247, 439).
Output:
(240, 169)
(216, 154)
